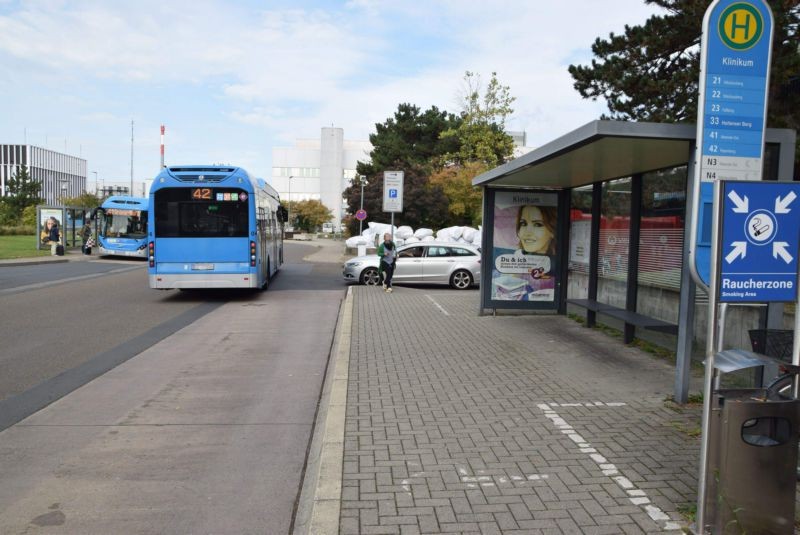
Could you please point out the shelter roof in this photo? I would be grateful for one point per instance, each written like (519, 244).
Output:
(595, 152)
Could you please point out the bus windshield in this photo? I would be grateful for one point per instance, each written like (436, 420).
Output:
(201, 213)
(124, 224)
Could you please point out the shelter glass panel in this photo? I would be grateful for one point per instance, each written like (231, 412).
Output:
(580, 238)
(580, 228)
(661, 241)
(615, 223)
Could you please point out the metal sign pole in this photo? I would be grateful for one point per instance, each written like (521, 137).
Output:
(393, 194)
(711, 348)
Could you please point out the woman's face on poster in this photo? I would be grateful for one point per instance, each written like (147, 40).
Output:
(534, 235)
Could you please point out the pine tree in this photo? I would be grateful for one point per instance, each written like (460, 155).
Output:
(650, 72)
(22, 191)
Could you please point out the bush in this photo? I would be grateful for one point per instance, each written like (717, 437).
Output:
(8, 214)
(29, 216)
(17, 230)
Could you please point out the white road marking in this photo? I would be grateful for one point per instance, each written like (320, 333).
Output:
(589, 404)
(478, 480)
(437, 305)
(636, 496)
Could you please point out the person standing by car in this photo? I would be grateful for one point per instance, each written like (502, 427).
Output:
(387, 252)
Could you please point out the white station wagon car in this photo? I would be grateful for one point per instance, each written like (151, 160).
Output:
(456, 264)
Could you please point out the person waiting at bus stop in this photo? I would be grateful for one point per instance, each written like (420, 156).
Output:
(387, 252)
(53, 235)
(86, 235)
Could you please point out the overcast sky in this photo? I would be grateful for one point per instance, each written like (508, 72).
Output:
(233, 79)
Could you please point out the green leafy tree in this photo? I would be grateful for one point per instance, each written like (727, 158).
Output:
(464, 200)
(88, 200)
(424, 204)
(22, 191)
(309, 215)
(481, 133)
(650, 72)
(410, 137)
(410, 141)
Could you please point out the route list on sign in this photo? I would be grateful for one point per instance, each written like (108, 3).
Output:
(734, 89)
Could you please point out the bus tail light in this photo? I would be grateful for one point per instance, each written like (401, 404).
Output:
(151, 254)
(252, 254)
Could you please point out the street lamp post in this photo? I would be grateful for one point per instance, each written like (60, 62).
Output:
(289, 202)
(363, 180)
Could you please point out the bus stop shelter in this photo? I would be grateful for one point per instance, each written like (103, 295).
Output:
(595, 220)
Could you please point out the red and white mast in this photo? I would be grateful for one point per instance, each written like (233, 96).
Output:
(162, 146)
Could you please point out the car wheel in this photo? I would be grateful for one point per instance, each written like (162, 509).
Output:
(461, 279)
(370, 277)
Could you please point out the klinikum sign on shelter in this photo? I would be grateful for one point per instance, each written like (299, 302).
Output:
(732, 110)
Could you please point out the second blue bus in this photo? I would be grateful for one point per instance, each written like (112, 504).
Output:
(213, 227)
(122, 226)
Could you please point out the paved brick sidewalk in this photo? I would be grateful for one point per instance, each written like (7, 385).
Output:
(517, 424)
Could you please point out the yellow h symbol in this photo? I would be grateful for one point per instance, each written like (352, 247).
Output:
(736, 26)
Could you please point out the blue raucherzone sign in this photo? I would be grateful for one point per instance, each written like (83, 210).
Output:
(735, 65)
(760, 238)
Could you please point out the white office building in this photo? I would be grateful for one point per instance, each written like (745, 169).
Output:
(61, 175)
(520, 143)
(318, 169)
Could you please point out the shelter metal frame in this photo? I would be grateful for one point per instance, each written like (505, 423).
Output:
(600, 151)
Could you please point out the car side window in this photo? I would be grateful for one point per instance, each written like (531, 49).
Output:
(435, 252)
(460, 251)
(411, 252)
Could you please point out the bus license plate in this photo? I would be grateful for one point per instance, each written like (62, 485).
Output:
(202, 267)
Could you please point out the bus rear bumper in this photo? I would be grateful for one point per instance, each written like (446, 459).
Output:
(138, 253)
(206, 280)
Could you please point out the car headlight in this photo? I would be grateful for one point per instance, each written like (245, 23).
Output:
(352, 264)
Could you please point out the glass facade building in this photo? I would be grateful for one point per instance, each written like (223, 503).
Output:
(60, 175)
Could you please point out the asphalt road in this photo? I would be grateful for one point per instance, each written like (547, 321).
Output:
(55, 317)
(200, 413)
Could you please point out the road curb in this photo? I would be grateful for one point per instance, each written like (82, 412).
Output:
(13, 263)
(320, 499)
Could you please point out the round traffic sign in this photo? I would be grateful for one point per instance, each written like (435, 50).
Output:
(361, 215)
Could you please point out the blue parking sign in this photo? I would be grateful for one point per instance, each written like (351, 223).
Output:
(760, 237)
(392, 193)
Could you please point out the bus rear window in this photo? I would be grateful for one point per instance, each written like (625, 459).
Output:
(182, 213)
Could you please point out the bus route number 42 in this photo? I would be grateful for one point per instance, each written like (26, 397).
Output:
(201, 194)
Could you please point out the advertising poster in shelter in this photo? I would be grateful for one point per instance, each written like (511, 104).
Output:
(45, 215)
(525, 224)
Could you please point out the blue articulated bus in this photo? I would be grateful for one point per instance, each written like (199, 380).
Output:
(213, 227)
(122, 226)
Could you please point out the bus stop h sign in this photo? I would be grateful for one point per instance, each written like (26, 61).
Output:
(760, 238)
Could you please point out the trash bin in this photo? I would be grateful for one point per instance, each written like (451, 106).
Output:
(752, 472)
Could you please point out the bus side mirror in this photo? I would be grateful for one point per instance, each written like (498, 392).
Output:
(283, 214)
